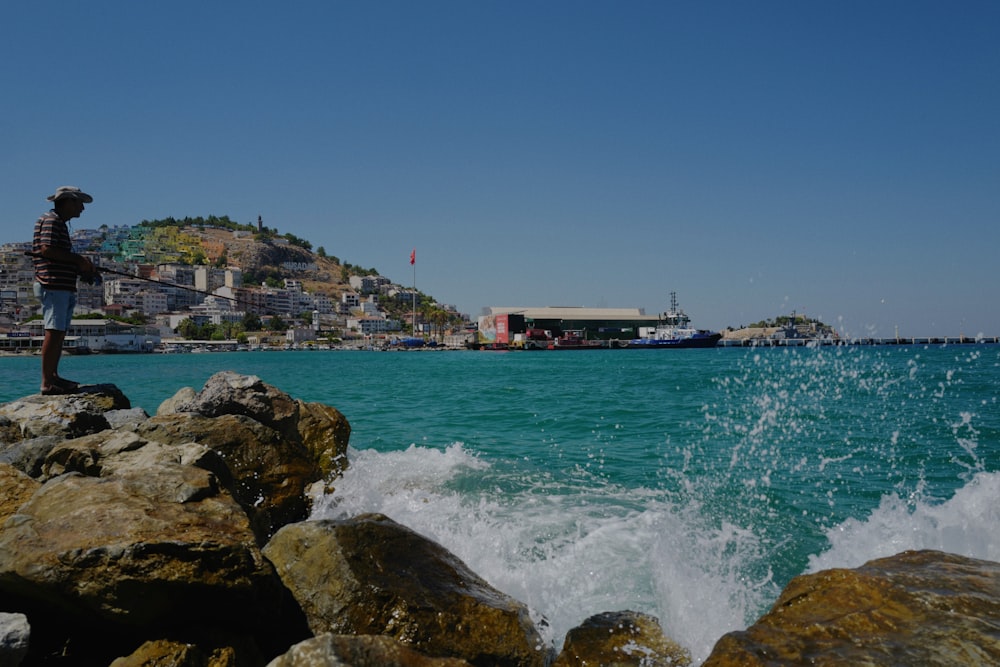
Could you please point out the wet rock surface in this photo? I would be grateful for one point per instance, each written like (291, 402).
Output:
(915, 608)
(371, 576)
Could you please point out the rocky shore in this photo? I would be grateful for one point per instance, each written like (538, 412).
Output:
(184, 539)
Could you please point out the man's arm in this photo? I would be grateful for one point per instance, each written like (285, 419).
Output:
(83, 265)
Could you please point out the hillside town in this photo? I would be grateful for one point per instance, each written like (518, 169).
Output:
(212, 284)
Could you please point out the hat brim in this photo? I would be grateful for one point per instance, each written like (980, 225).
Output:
(80, 196)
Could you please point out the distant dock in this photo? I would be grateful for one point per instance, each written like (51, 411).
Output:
(824, 342)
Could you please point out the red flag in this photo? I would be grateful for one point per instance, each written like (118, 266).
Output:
(413, 256)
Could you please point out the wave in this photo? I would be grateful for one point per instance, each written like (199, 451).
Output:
(568, 547)
(967, 524)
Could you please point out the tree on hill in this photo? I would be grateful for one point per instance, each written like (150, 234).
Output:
(296, 241)
(222, 222)
(782, 321)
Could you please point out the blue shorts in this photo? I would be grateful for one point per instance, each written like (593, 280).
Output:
(57, 307)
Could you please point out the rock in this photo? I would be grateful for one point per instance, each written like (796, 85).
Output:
(229, 393)
(277, 447)
(325, 432)
(167, 653)
(371, 576)
(172, 653)
(106, 559)
(15, 490)
(270, 472)
(620, 639)
(10, 431)
(14, 635)
(329, 650)
(111, 453)
(183, 396)
(79, 542)
(28, 456)
(915, 608)
(120, 418)
(68, 416)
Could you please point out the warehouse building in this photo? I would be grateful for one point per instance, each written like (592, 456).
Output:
(503, 324)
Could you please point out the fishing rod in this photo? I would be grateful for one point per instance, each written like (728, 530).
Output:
(104, 269)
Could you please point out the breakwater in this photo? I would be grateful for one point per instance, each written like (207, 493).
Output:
(824, 342)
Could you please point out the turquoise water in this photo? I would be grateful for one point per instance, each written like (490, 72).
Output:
(690, 484)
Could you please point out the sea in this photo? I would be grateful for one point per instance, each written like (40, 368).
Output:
(692, 485)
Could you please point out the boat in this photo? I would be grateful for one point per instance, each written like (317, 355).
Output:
(536, 339)
(674, 331)
(576, 340)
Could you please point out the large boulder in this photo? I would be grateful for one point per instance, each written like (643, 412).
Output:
(371, 576)
(271, 472)
(67, 416)
(329, 650)
(276, 446)
(321, 428)
(230, 393)
(156, 544)
(915, 608)
(621, 639)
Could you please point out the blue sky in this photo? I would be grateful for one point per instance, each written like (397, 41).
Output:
(838, 159)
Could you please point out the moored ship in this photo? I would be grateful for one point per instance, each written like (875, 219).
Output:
(577, 340)
(674, 331)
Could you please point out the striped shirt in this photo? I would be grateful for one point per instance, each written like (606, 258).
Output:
(51, 231)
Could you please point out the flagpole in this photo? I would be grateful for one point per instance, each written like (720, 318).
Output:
(413, 263)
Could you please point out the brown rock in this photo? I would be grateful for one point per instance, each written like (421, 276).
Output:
(28, 456)
(621, 639)
(915, 608)
(329, 650)
(166, 653)
(69, 415)
(166, 550)
(270, 472)
(229, 393)
(325, 432)
(83, 543)
(15, 490)
(10, 431)
(372, 576)
(183, 396)
(112, 453)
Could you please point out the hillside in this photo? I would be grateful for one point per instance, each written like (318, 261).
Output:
(272, 258)
(277, 259)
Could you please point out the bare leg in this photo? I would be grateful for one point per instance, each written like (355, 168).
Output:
(51, 352)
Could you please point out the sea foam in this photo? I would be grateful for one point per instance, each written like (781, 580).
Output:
(967, 524)
(567, 549)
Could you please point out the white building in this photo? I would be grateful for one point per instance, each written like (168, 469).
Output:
(92, 335)
(368, 325)
(368, 284)
(322, 303)
(370, 306)
(298, 335)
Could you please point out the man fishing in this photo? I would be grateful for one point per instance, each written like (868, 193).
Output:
(56, 270)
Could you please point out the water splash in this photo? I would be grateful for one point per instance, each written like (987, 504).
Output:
(567, 548)
(967, 524)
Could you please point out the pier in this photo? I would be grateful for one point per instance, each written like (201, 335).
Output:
(823, 342)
